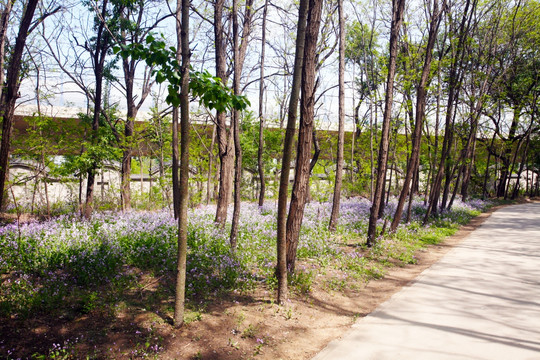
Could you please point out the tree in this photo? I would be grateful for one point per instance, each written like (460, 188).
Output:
(4, 25)
(454, 86)
(341, 126)
(98, 50)
(184, 163)
(517, 79)
(9, 93)
(362, 49)
(413, 162)
(305, 133)
(281, 267)
(239, 55)
(397, 19)
(261, 115)
(132, 28)
(182, 82)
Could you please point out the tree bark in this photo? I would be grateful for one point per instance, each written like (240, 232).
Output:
(225, 140)
(175, 157)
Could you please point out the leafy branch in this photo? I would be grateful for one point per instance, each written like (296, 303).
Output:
(210, 90)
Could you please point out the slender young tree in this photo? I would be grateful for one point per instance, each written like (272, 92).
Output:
(98, 52)
(239, 55)
(132, 29)
(421, 91)
(211, 93)
(10, 90)
(305, 133)
(183, 9)
(397, 19)
(175, 156)
(236, 128)
(453, 92)
(261, 106)
(281, 268)
(341, 122)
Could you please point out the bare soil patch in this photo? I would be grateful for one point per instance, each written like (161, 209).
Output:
(238, 326)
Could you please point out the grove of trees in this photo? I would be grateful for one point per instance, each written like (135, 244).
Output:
(430, 100)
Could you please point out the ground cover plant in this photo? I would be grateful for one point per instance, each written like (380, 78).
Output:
(67, 268)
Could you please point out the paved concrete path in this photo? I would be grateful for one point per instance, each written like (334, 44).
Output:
(480, 301)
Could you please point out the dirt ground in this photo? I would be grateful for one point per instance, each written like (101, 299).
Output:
(248, 326)
(305, 325)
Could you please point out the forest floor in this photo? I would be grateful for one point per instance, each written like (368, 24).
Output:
(247, 325)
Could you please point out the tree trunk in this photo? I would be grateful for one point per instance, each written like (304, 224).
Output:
(236, 129)
(125, 193)
(456, 186)
(10, 91)
(129, 67)
(341, 122)
(226, 169)
(125, 174)
(449, 166)
(467, 172)
(225, 140)
(471, 141)
(486, 174)
(433, 158)
(305, 133)
(175, 154)
(239, 54)
(210, 165)
(184, 164)
(99, 54)
(261, 115)
(411, 193)
(512, 167)
(397, 19)
(281, 268)
(4, 24)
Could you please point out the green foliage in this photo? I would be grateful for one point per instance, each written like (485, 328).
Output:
(361, 47)
(211, 92)
(249, 141)
(89, 302)
(64, 351)
(99, 147)
(301, 280)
